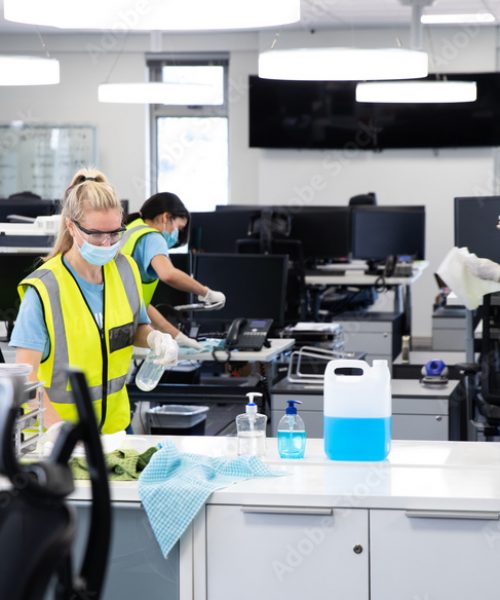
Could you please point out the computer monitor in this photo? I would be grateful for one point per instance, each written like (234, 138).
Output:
(28, 205)
(382, 231)
(166, 294)
(254, 285)
(218, 231)
(476, 219)
(238, 207)
(13, 267)
(325, 233)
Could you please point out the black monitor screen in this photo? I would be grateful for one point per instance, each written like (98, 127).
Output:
(218, 231)
(476, 221)
(254, 285)
(382, 231)
(325, 114)
(13, 267)
(238, 207)
(325, 233)
(166, 294)
(26, 207)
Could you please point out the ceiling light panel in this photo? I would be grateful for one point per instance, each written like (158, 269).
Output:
(165, 15)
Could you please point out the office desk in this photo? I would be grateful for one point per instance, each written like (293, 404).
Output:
(355, 276)
(266, 355)
(400, 527)
(35, 250)
(214, 390)
(418, 412)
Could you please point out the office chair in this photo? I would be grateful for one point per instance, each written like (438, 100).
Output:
(267, 226)
(369, 198)
(37, 527)
(482, 380)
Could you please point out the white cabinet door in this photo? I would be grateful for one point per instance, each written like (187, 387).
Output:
(286, 553)
(451, 556)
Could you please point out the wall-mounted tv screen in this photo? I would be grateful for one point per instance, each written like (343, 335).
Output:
(325, 114)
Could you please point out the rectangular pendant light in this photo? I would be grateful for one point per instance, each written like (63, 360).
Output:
(153, 15)
(153, 92)
(342, 64)
(457, 19)
(28, 70)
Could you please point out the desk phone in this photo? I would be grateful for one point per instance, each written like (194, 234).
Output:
(248, 334)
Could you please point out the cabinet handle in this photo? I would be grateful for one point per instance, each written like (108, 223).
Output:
(439, 418)
(476, 515)
(286, 510)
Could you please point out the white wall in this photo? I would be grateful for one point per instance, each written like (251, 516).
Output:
(265, 176)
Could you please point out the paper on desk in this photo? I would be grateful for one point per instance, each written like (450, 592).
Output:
(308, 326)
(468, 288)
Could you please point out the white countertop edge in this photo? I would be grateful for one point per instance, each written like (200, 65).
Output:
(418, 475)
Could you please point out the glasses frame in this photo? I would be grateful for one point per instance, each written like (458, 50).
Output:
(93, 232)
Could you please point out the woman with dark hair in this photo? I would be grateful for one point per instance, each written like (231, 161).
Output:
(150, 234)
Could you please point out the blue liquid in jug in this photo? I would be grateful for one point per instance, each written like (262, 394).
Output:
(357, 439)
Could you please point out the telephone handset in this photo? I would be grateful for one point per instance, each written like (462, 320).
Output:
(390, 265)
(247, 334)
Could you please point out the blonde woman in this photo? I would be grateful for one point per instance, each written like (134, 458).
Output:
(83, 307)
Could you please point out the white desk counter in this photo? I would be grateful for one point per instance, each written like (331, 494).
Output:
(425, 475)
(267, 354)
(421, 524)
(354, 275)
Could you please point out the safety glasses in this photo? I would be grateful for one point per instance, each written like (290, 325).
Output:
(97, 238)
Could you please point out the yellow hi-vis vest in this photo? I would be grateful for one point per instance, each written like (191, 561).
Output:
(76, 340)
(135, 230)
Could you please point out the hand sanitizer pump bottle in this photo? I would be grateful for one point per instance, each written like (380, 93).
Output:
(291, 433)
(251, 429)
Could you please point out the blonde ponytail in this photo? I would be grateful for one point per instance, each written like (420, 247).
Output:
(89, 190)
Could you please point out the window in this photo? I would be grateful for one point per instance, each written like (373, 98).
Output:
(189, 136)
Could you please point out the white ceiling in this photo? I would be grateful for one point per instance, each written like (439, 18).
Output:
(347, 13)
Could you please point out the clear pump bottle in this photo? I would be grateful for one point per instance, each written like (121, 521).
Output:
(251, 429)
(149, 373)
(291, 433)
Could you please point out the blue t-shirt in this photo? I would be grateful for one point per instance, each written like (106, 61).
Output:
(149, 245)
(30, 330)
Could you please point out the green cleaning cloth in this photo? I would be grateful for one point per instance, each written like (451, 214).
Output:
(123, 465)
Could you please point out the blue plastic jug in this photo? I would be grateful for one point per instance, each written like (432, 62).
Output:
(357, 410)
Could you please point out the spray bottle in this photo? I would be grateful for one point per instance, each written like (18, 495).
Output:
(251, 429)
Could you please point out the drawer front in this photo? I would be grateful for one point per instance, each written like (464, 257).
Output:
(448, 556)
(366, 326)
(372, 343)
(419, 427)
(420, 406)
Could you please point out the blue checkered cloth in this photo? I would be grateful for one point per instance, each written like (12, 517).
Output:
(173, 487)
(206, 346)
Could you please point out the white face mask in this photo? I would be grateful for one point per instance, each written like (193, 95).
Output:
(98, 255)
(171, 237)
